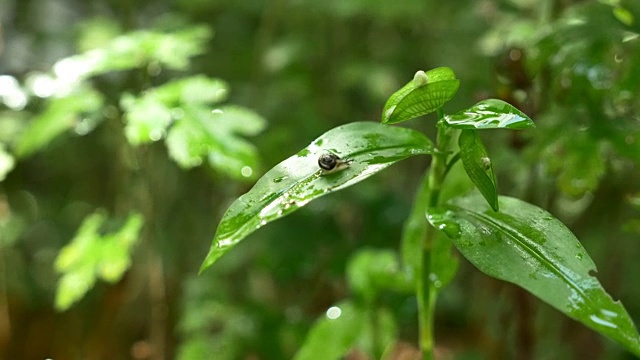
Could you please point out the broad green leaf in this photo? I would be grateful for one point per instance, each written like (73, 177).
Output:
(426, 93)
(477, 164)
(92, 255)
(294, 182)
(334, 334)
(527, 246)
(490, 114)
(60, 115)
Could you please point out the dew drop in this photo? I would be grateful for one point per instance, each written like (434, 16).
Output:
(217, 112)
(334, 312)
(600, 321)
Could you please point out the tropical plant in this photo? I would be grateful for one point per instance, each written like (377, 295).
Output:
(504, 237)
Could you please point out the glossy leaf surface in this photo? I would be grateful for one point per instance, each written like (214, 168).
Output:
(294, 182)
(417, 98)
(527, 246)
(477, 164)
(490, 114)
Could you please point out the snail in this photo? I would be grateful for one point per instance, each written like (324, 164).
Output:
(330, 163)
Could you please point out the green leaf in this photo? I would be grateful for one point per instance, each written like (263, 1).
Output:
(60, 115)
(192, 90)
(201, 133)
(331, 337)
(7, 162)
(414, 231)
(426, 93)
(623, 15)
(490, 114)
(92, 255)
(527, 246)
(146, 118)
(370, 272)
(135, 50)
(477, 164)
(294, 182)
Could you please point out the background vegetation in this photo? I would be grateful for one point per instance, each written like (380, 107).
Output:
(108, 206)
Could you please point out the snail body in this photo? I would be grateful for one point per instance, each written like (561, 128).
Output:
(330, 163)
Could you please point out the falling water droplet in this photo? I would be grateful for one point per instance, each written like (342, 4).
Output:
(246, 171)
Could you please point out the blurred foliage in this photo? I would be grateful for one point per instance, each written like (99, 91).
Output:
(81, 94)
(91, 255)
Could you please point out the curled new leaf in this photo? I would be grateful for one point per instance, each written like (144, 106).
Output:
(369, 146)
(527, 246)
(426, 93)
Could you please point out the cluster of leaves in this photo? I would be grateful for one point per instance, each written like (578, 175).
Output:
(185, 112)
(91, 255)
(535, 250)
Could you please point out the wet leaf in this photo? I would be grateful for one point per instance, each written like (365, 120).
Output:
(330, 337)
(421, 96)
(477, 164)
(490, 114)
(294, 182)
(527, 246)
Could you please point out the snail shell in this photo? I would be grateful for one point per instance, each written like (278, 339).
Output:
(330, 163)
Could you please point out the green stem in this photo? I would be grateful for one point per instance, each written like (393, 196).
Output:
(428, 197)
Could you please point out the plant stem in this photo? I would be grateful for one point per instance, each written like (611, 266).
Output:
(428, 197)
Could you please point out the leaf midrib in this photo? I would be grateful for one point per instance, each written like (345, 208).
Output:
(278, 194)
(512, 233)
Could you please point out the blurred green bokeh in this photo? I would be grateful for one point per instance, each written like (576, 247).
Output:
(90, 95)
